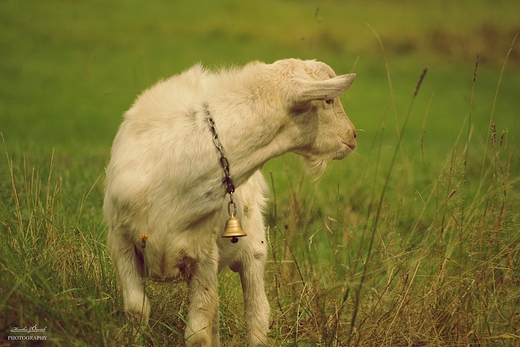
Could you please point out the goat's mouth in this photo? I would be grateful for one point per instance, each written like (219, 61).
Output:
(350, 145)
(346, 148)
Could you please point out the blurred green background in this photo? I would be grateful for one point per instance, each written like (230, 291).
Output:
(69, 69)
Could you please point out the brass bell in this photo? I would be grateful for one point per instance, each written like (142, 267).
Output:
(233, 229)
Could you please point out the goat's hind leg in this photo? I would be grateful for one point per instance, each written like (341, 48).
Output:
(129, 265)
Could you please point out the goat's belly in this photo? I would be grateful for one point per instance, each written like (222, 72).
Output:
(170, 268)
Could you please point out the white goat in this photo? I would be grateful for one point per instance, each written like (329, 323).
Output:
(164, 179)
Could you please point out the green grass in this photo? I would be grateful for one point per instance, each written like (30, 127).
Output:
(412, 241)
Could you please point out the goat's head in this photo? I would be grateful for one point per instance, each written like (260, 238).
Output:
(322, 130)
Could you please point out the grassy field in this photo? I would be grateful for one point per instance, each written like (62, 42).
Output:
(412, 241)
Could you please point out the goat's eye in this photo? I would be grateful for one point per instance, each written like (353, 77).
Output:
(329, 101)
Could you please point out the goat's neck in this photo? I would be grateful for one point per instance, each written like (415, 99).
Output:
(250, 143)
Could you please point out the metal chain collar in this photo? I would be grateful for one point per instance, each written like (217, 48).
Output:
(224, 163)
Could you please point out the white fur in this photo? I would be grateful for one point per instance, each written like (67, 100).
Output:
(164, 179)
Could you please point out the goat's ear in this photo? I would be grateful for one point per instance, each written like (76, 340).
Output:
(324, 90)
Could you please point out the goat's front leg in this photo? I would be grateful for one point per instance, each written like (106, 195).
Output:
(200, 331)
(256, 306)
